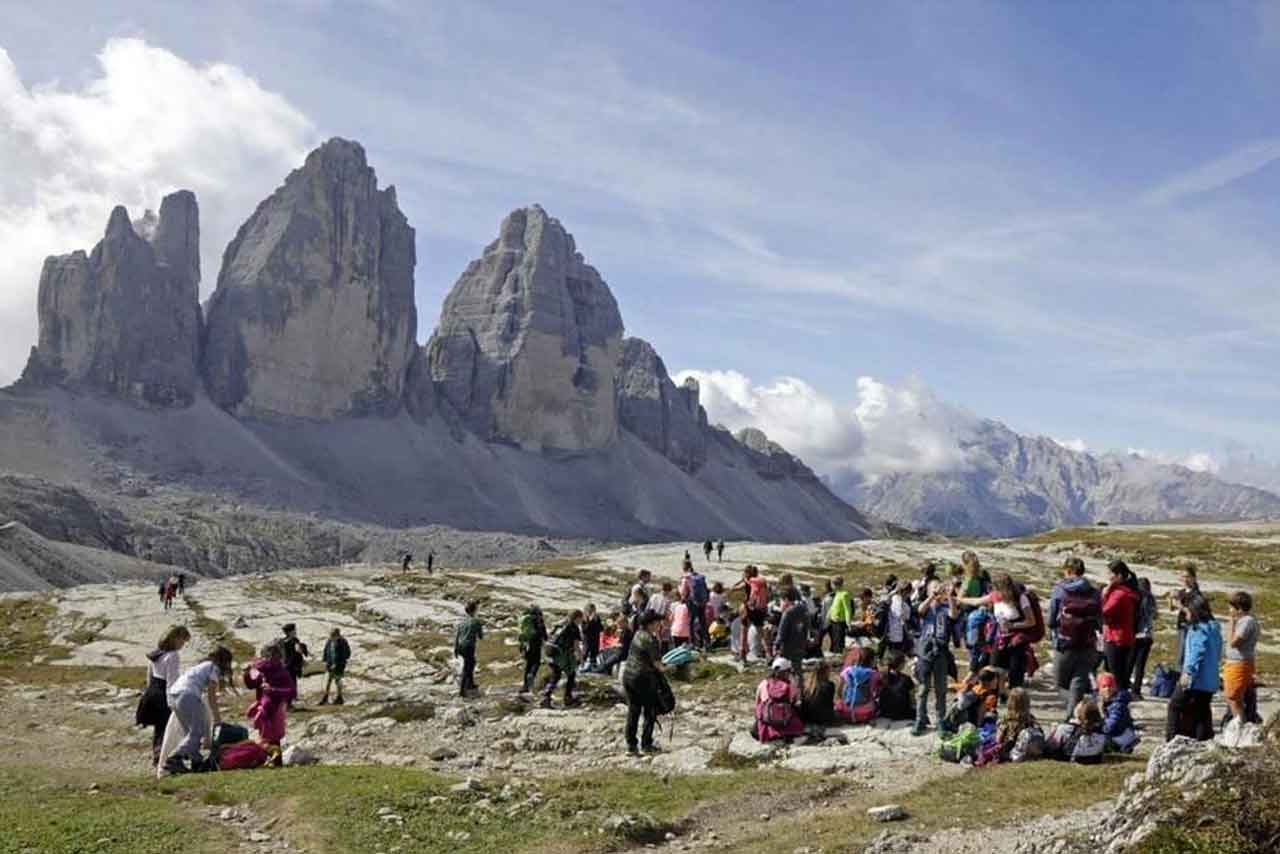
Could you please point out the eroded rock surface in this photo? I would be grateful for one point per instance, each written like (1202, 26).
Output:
(667, 417)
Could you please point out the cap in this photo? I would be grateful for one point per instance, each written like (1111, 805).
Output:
(781, 663)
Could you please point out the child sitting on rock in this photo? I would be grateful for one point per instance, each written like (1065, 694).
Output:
(818, 700)
(1079, 740)
(977, 703)
(1117, 723)
(861, 687)
(777, 705)
(1018, 734)
(897, 700)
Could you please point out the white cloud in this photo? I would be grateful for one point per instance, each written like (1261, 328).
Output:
(1216, 173)
(888, 429)
(148, 124)
(1080, 446)
(1199, 461)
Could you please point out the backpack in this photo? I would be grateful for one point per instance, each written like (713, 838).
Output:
(880, 617)
(242, 755)
(678, 657)
(698, 591)
(1078, 619)
(1030, 745)
(551, 649)
(777, 711)
(975, 625)
(1035, 634)
(666, 698)
(1163, 681)
(961, 745)
(857, 685)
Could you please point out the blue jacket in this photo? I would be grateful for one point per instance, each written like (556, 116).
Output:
(1060, 590)
(1201, 656)
(1117, 718)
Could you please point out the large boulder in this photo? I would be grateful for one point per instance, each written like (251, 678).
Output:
(125, 319)
(669, 418)
(314, 316)
(528, 343)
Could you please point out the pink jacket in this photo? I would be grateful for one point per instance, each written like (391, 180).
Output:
(679, 620)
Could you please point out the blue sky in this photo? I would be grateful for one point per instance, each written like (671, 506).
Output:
(1059, 215)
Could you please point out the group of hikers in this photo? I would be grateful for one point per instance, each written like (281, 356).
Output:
(832, 659)
(182, 706)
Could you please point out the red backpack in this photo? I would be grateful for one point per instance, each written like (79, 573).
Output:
(1035, 634)
(777, 711)
(1078, 619)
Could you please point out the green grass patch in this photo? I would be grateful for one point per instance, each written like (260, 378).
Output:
(1221, 554)
(52, 816)
(218, 632)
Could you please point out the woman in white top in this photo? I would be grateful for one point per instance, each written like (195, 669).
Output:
(187, 700)
(1014, 617)
(897, 635)
(163, 668)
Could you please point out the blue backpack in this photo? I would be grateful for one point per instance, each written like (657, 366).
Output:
(1163, 681)
(857, 685)
(679, 657)
(975, 628)
(698, 589)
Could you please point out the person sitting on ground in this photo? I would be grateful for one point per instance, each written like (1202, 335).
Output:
(1242, 643)
(337, 652)
(1190, 710)
(864, 626)
(465, 643)
(163, 669)
(681, 622)
(976, 703)
(1079, 740)
(818, 700)
(295, 653)
(562, 656)
(1117, 723)
(720, 629)
(1017, 720)
(897, 700)
(592, 628)
(777, 705)
(641, 672)
(860, 687)
(840, 615)
(193, 699)
(268, 677)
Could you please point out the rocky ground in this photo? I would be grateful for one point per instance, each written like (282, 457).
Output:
(71, 674)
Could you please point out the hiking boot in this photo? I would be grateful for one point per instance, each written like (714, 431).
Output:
(632, 750)
(339, 701)
(545, 704)
(919, 729)
(572, 702)
(324, 701)
(651, 749)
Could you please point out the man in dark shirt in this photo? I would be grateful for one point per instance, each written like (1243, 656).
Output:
(793, 630)
(643, 669)
(562, 657)
(295, 652)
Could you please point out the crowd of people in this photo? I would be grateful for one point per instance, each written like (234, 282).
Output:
(832, 658)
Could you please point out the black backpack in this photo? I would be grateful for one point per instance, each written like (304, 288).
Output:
(1079, 616)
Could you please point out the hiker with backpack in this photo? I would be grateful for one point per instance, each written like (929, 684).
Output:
(1119, 620)
(792, 640)
(1079, 739)
(860, 687)
(693, 587)
(465, 642)
(778, 705)
(1143, 636)
(532, 635)
(933, 651)
(295, 653)
(840, 615)
(720, 551)
(163, 669)
(193, 699)
(640, 675)
(337, 652)
(755, 610)
(707, 548)
(979, 636)
(637, 598)
(1190, 711)
(592, 629)
(1019, 625)
(562, 655)
(1075, 618)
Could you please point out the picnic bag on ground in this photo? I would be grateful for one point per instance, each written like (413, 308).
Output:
(242, 756)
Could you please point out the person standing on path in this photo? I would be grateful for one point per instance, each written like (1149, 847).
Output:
(706, 550)
(182, 583)
(431, 562)
(720, 551)
(933, 652)
(793, 631)
(470, 633)
(1120, 603)
(839, 615)
(337, 652)
(1075, 617)
(1190, 711)
(1143, 637)
(696, 593)
(1178, 600)
(163, 669)
(295, 653)
(1242, 644)
(187, 696)
(641, 671)
(407, 563)
(562, 656)
(533, 634)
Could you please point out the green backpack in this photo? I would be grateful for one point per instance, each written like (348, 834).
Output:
(956, 747)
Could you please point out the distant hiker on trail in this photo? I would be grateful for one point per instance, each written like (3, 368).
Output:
(295, 653)
(687, 563)
(533, 634)
(337, 652)
(431, 562)
(1075, 618)
(562, 655)
(470, 633)
(720, 551)
(706, 549)
(163, 669)
(182, 583)
(407, 563)
(275, 688)
(168, 589)
(187, 698)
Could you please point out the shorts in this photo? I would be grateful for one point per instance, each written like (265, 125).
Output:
(1237, 678)
(757, 616)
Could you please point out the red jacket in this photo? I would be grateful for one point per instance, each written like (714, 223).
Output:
(1119, 614)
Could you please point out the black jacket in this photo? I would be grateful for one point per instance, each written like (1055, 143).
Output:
(793, 632)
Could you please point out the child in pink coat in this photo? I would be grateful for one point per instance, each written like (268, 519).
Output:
(275, 688)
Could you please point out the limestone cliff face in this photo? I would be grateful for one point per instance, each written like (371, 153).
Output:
(528, 343)
(125, 319)
(314, 316)
(667, 417)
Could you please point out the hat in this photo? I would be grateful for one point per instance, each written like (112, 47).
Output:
(289, 627)
(1106, 680)
(781, 663)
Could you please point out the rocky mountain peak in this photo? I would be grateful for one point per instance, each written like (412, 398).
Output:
(125, 318)
(314, 315)
(528, 343)
(667, 418)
